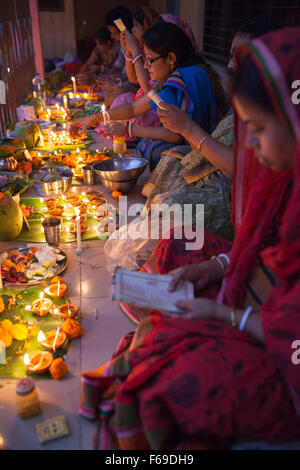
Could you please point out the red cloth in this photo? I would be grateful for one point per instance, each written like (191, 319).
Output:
(185, 378)
(73, 68)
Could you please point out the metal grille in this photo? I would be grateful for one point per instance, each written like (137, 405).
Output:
(16, 57)
(224, 17)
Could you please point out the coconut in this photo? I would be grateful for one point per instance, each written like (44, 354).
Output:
(11, 219)
(29, 131)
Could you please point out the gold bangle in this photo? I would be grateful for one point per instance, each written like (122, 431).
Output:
(201, 142)
(232, 316)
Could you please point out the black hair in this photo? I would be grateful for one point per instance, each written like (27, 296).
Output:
(257, 27)
(139, 16)
(246, 82)
(103, 35)
(163, 37)
(119, 12)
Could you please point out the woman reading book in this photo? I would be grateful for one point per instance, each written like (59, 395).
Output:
(224, 370)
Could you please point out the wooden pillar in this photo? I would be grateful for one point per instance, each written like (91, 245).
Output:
(37, 42)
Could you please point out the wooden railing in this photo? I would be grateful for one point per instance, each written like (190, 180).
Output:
(17, 67)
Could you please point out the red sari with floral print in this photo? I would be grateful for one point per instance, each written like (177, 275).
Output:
(178, 381)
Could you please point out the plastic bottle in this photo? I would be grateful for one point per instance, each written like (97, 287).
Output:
(39, 92)
(119, 145)
(27, 399)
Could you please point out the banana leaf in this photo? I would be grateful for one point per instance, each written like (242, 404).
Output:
(36, 232)
(14, 366)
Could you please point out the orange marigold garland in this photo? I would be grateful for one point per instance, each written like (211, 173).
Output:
(2, 305)
(6, 337)
(72, 328)
(58, 369)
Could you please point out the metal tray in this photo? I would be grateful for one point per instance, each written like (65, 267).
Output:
(61, 267)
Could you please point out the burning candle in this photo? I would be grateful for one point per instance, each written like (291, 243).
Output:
(85, 96)
(71, 96)
(104, 114)
(74, 84)
(65, 102)
(78, 232)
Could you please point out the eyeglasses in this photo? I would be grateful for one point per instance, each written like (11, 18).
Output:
(151, 61)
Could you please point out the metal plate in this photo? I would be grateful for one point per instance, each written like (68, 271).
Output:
(61, 267)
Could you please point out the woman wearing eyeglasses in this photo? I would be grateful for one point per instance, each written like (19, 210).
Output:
(180, 80)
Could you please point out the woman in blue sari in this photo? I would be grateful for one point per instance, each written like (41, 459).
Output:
(180, 79)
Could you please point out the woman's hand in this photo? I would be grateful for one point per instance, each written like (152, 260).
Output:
(174, 118)
(200, 308)
(115, 128)
(130, 43)
(82, 124)
(201, 275)
(107, 84)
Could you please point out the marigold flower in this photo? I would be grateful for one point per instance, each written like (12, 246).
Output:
(6, 337)
(72, 328)
(7, 324)
(19, 332)
(58, 369)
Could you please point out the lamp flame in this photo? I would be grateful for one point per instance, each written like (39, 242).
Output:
(26, 360)
(41, 337)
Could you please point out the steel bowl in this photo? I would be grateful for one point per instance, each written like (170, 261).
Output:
(123, 169)
(123, 186)
(52, 188)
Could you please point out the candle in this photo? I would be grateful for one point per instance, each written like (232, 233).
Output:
(78, 232)
(74, 84)
(65, 102)
(71, 96)
(85, 96)
(104, 113)
(49, 140)
(55, 339)
(58, 289)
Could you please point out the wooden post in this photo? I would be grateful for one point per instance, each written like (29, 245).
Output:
(37, 42)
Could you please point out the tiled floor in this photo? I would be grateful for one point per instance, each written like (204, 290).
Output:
(89, 287)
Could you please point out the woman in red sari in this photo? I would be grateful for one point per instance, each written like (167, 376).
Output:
(224, 371)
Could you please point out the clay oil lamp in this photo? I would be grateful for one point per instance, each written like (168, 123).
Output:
(98, 201)
(83, 219)
(93, 194)
(39, 362)
(67, 311)
(50, 203)
(57, 211)
(83, 208)
(72, 199)
(56, 290)
(52, 340)
(83, 228)
(41, 306)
